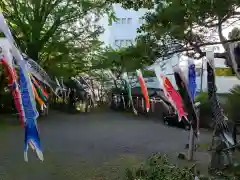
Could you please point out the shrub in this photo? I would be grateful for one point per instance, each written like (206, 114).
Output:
(205, 106)
(233, 104)
(205, 109)
(158, 167)
(6, 103)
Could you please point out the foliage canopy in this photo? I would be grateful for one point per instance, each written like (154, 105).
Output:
(59, 33)
(187, 27)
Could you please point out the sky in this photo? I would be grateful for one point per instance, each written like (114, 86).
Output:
(183, 60)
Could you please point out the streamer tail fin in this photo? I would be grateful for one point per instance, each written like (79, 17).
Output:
(32, 140)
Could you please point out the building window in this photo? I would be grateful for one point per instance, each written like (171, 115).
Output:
(128, 42)
(141, 20)
(121, 43)
(124, 21)
(129, 20)
(117, 43)
(118, 21)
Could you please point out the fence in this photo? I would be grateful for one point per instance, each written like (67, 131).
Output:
(158, 107)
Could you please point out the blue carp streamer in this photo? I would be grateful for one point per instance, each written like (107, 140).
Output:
(31, 131)
(192, 85)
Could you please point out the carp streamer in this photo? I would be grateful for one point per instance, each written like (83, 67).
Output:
(14, 87)
(129, 90)
(192, 85)
(171, 93)
(143, 89)
(27, 96)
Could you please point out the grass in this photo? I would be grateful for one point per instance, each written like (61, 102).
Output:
(109, 170)
(55, 167)
(115, 169)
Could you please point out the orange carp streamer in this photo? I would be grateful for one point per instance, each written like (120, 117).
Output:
(143, 89)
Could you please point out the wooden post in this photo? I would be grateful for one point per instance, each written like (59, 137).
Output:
(191, 145)
(213, 136)
(153, 104)
(143, 106)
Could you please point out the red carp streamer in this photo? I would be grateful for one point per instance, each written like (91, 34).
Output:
(13, 84)
(174, 97)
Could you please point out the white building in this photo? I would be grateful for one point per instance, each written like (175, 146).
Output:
(123, 32)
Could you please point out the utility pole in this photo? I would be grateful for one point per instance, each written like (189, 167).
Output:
(201, 85)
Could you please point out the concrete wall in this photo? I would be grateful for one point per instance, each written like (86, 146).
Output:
(223, 83)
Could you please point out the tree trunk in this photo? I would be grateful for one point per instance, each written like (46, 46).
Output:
(33, 51)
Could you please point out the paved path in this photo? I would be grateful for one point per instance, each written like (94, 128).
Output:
(74, 143)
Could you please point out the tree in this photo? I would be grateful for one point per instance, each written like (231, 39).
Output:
(55, 29)
(113, 62)
(174, 26)
(75, 61)
(111, 59)
(126, 59)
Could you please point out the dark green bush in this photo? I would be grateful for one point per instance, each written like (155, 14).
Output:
(158, 167)
(6, 103)
(205, 106)
(233, 104)
(205, 110)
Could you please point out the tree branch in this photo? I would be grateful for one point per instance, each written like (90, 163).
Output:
(231, 14)
(201, 45)
(17, 20)
(48, 8)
